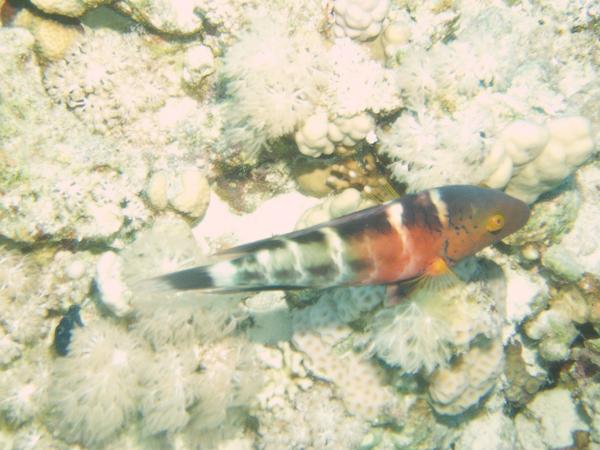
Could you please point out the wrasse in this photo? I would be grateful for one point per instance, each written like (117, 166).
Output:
(417, 235)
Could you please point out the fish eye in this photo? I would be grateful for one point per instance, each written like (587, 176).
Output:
(495, 223)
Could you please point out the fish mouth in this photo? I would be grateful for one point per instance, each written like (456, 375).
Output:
(518, 215)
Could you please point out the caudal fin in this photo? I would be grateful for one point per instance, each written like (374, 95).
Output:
(183, 280)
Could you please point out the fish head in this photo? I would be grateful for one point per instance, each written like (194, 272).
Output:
(478, 217)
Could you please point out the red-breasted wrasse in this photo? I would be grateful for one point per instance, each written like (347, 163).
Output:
(416, 235)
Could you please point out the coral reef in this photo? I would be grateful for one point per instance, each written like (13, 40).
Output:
(315, 419)
(314, 177)
(187, 192)
(455, 389)
(567, 144)
(555, 326)
(123, 124)
(521, 386)
(492, 431)
(198, 64)
(359, 20)
(273, 87)
(347, 201)
(53, 38)
(183, 375)
(98, 78)
(23, 391)
(59, 182)
(550, 421)
(307, 94)
(428, 327)
(319, 332)
(172, 17)
(580, 240)
(95, 389)
(461, 94)
(176, 389)
(550, 219)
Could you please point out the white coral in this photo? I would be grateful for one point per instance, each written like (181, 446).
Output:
(568, 145)
(185, 189)
(360, 20)
(428, 151)
(357, 83)
(168, 318)
(462, 92)
(23, 391)
(274, 79)
(312, 137)
(113, 292)
(312, 419)
(320, 333)
(455, 389)
(229, 379)
(185, 318)
(430, 326)
(95, 389)
(169, 383)
(410, 337)
(107, 81)
(347, 201)
(281, 78)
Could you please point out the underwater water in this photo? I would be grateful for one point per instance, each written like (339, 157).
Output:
(139, 139)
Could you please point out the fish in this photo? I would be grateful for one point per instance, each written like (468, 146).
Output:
(414, 237)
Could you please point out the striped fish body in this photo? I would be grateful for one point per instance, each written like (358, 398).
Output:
(400, 240)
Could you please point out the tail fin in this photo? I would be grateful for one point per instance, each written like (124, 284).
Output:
(183, 280)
